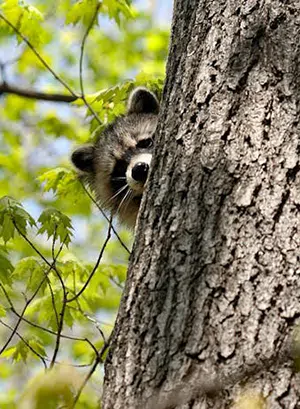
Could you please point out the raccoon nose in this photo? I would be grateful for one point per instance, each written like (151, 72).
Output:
(140, 172)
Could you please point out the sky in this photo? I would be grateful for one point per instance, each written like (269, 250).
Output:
(162, 9)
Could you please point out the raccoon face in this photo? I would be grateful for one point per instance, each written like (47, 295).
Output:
(117, 165)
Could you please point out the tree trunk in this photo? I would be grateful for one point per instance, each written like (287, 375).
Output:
(213, 288)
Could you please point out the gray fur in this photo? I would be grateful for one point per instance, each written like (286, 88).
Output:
(106, 165)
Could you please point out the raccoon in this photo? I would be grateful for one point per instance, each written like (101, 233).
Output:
(116, 166)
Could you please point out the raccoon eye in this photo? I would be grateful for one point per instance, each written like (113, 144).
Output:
(145, 143)
(119, 169)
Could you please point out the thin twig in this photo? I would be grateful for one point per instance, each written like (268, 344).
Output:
(41, 59)
(115, 282)
(95, 267)
(98, 360)
(26, 343)
(44, 359)
(63, 308)
(65, 294)
(81, 63)
(84, 313)
(54, 259)
(72, 365)
(93, 320)
(3, 66)
(83, 46)
(49, 283)
(60, 328)
(23, 310)
(53, 97)
(51, 266)
(32, 245)
(90, 318)
(53, 301)
(14, 59)
(105, 216)
(92, 346)
(49, 331)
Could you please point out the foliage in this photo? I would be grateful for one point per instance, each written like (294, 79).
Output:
(62, 265)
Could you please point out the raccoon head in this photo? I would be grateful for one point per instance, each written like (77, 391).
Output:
(116, 166)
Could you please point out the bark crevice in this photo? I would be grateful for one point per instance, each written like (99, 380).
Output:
(212, 295)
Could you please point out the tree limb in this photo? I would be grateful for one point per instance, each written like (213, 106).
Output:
(27, 93)
(40, 58)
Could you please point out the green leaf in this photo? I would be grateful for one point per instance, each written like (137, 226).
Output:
(42, 309)
(2, 311)
(6, 268)
(56, 224)
(117, 9)
(7, 228)
(13, 217)
(32, 270)
(120, 272)
(18, 352)
(61, 180)
(115, 94)
(82, 350)
(9, 352)
(37, 346)
(82, 10)
(70, 267)
(69, 316)
(26, 18)
(51, 389)
(6, 371)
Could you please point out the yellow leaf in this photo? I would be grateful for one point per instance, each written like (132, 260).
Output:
(55, 386)
(26, 18)
(250, 400)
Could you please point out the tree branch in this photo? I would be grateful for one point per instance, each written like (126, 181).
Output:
(95, 267)
(105, 216)
(81, 63)
(98, 360)
(27, 93)
(43, 359)
(41, 59)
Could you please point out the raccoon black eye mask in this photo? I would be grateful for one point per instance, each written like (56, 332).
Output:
(116, 166)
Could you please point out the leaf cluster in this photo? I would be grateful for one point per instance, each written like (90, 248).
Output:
(62, 267)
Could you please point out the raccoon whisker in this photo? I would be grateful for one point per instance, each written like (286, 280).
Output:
(115, 195)
(130, 196)
(124, 199)
(119, 178)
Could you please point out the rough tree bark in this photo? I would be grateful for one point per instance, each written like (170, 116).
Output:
(213, 290)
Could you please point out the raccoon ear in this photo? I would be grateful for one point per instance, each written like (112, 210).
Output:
(83, 158)
(142, 101)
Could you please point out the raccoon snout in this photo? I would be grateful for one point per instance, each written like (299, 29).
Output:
(140, 172)
(137, 172)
